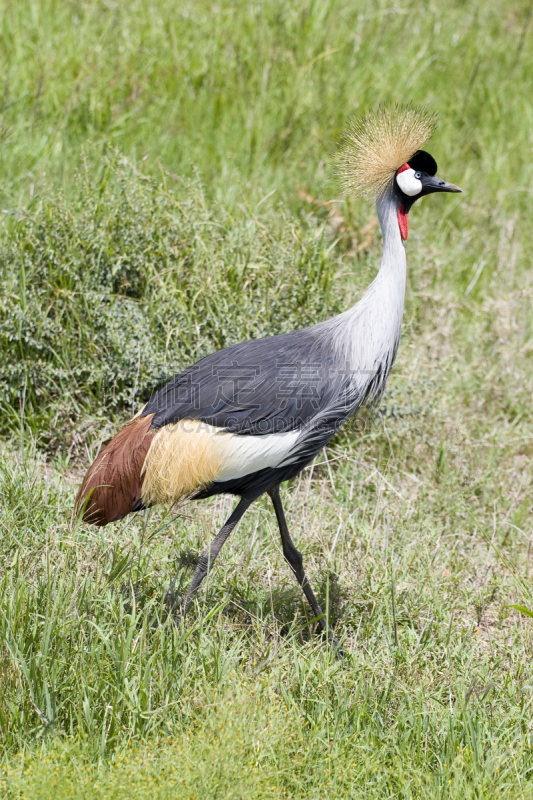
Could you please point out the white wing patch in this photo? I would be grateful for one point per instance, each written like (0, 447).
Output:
(244, 455)
(407, 182)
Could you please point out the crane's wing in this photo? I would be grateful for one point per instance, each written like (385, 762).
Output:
(272, 385)
(261, 408)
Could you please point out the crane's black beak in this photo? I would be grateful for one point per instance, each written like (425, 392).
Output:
(431, 183)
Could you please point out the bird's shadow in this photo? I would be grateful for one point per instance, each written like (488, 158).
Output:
(281, 612)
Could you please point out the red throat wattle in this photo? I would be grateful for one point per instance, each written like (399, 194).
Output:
(402, 222)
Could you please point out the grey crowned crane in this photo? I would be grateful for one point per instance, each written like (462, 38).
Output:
(246, 418)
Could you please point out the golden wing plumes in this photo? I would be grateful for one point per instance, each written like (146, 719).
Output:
(376, 145)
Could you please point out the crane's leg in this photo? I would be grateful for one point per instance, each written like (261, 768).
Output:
(294, 558)
(207, 559)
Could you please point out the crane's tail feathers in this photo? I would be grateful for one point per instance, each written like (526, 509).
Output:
(112, 486)
(143, 466)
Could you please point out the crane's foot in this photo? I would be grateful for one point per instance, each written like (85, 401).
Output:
(172, 608)
(334, 644)
(339, 652)
(173, 601)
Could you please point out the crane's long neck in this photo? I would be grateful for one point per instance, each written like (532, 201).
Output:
(368, 334)
(393, 264)
(385, 297)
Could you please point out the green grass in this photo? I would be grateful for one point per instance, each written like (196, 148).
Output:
(432, 699)
(167, 184)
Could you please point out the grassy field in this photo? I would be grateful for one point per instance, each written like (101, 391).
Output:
(168, 187)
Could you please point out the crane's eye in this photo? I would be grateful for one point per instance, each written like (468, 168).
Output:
(418, 175)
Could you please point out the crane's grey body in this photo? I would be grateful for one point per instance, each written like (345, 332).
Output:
(306, 382)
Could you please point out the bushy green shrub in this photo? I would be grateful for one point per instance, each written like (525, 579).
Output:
(103, 298)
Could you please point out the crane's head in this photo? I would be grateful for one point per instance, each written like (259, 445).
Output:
(382, 153)
(417, 178)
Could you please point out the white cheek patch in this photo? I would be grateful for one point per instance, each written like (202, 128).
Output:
(408, 183)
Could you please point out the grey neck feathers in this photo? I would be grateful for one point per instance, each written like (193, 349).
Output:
(366, 336)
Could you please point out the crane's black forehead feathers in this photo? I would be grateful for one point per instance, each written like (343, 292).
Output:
(423, 162)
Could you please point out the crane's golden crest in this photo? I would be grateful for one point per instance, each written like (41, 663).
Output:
(376, 145)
